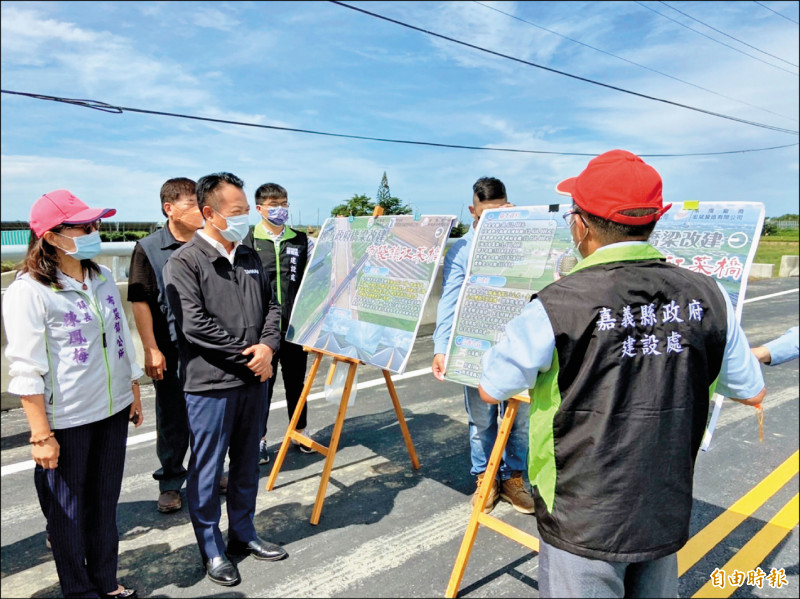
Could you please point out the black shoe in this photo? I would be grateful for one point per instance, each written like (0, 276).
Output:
(123, 594)
(222, 571)
(259, 549)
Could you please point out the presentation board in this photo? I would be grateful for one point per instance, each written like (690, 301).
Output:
(366, 285)
(518, 251)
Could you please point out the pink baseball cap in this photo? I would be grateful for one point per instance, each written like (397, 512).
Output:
(616, 181)
(60, 207)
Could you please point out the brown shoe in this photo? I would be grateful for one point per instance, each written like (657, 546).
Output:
(493, 494)
(513, 491)
(169, 501)
(223, 485)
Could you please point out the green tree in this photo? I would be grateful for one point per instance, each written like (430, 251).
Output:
(358, 205)
(395, 206)
(383, 190)
(459, 230)
(390, 204)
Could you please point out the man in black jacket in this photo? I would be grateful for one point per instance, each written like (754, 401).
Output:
(284, 252)
(228, 330)
(620, 358)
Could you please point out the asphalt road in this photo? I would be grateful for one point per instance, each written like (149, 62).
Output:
(387, 530)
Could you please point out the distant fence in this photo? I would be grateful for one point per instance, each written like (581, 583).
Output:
(784, 224)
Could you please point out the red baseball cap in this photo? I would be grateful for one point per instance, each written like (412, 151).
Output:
(616, 181)
(60, 207)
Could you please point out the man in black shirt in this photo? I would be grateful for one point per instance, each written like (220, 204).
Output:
(157, 331)
(228, 326)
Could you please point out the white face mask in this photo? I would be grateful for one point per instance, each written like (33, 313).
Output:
(577, 246)
(237, 227)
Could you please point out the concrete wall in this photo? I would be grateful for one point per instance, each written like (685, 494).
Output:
(426, 328)
(790, 266)
(762, 271)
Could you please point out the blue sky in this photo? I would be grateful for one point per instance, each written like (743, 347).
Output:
(319, 66)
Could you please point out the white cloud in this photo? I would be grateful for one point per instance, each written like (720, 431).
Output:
(212, 18)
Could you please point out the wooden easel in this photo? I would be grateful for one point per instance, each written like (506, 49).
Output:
(330, 451)
(478, 517)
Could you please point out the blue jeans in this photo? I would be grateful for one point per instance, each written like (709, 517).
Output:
(484, 422)
(563, 574)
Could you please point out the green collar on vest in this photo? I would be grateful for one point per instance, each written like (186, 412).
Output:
(260, 232)
(620, 253)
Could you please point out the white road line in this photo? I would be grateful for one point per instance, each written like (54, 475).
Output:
(375, 556)
(763, 297)
(151, 436)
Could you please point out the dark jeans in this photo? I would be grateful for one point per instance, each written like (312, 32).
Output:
(172, 428)
(79, 499)
(293, 361)
(224, 421)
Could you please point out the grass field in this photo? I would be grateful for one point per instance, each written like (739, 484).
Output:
(772, 247)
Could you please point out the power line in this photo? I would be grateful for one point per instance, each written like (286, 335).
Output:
(776, 12)
(632, 62)
(579, 78)
(725, 34)
(661, 14)
(110, 108)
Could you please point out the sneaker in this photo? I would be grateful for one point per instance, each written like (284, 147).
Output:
(223, 485)
(263, 452)
(513, 491)
(302, 448)
(493, 494)
(169, 501)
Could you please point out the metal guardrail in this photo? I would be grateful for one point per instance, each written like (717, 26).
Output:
(16, 253)
(113, 254)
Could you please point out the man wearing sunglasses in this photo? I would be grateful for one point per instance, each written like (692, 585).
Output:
(620, 358)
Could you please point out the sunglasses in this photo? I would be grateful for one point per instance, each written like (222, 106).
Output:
(87, 227)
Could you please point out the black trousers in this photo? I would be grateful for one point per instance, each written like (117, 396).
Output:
(172, 429)
(79, 499)
(293, 361)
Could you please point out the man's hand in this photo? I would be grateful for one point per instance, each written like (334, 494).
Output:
(154, 363)
(762, 354)
(486, 397)
(438, 366)
(261, 362)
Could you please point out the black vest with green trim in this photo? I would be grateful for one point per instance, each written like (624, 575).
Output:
(616, 423)
(286, 268)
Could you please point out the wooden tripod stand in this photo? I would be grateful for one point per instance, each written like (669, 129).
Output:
(478, 517)
(330, 451)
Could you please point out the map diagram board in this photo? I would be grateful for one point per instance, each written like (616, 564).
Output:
(366, 285)
(518, 251)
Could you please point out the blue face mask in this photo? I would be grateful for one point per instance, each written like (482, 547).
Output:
(237, 229)
(277, 215)
(86, 246)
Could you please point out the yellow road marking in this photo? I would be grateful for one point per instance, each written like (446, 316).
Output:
(708, 538)
(756, 549)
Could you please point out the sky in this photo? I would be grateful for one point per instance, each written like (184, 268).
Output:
(324, 67)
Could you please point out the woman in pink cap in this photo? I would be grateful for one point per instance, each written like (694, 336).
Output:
(73, 364)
